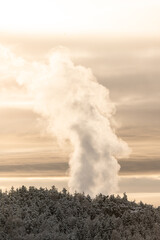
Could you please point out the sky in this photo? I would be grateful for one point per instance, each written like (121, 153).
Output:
(119, 41)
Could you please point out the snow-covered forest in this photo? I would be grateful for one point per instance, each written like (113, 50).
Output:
(42, 214)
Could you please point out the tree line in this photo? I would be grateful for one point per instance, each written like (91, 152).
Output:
(47, 214)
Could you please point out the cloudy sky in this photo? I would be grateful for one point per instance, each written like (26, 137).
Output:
(120, 42)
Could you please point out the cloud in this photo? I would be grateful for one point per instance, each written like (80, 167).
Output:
(141, 166)
(141, 184)
(34, 169)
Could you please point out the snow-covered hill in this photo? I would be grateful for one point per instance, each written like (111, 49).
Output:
(41, 214)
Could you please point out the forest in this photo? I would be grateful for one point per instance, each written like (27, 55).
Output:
(47, 214)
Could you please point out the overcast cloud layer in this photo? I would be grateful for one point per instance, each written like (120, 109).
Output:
(129, 68)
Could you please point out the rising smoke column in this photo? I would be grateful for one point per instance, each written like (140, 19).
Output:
(78, 108)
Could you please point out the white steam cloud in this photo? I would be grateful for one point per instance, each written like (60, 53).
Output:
(77, 108)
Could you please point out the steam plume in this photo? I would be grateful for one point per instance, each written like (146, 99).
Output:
(77, 108)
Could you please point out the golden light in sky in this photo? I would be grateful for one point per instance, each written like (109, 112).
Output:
(92, 16)
(119, 40)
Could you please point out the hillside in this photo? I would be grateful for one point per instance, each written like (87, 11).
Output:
(41, 214)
